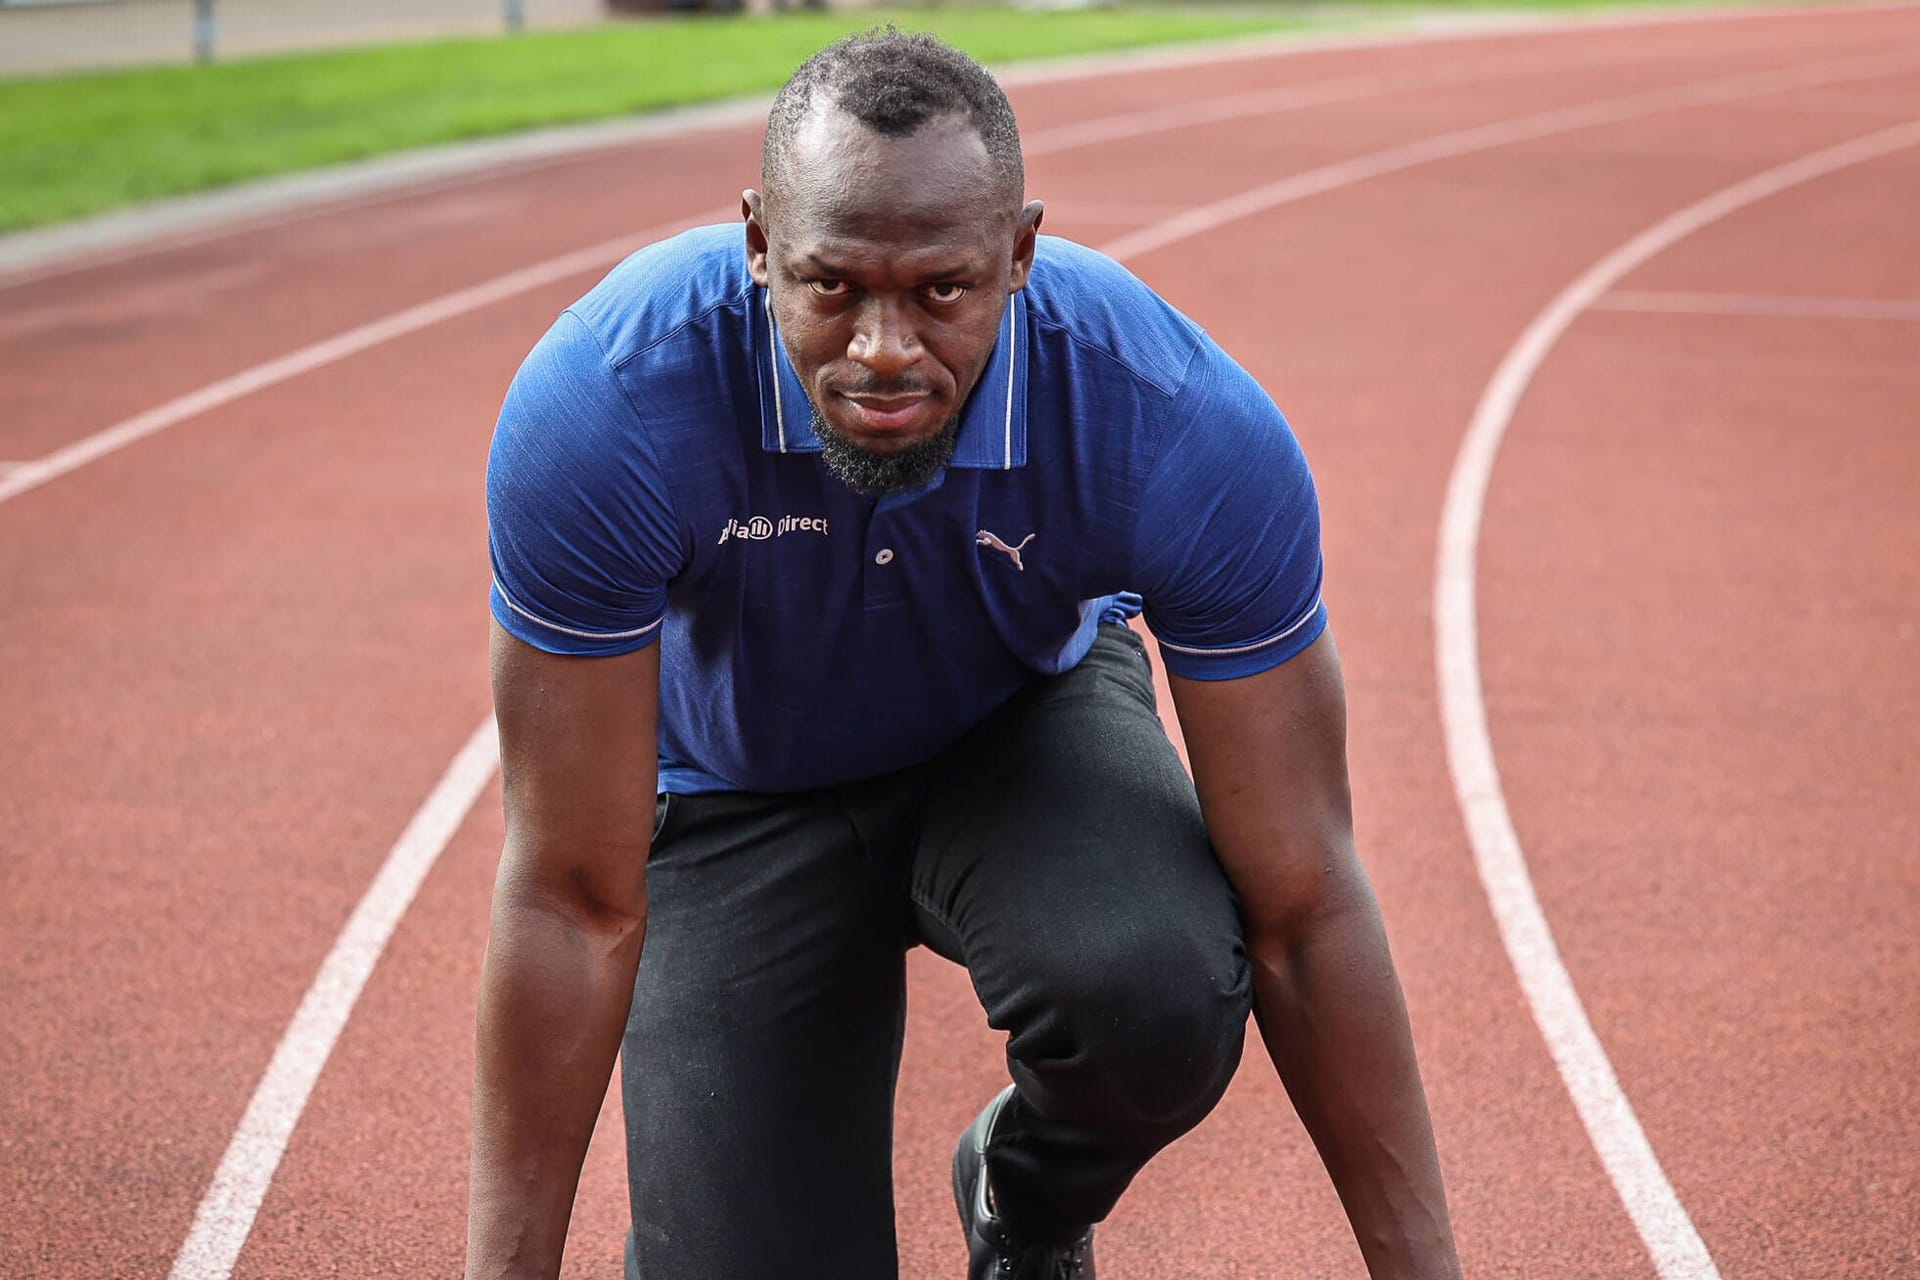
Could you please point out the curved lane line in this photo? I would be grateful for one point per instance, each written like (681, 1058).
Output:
(1670, 1237)
(225, 1217)
(221, 1228)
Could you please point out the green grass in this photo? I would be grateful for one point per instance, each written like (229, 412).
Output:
(78, 144)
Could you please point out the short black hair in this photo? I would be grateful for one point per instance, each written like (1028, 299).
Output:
(894, 82)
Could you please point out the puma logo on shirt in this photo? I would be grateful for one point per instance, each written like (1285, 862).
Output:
(987, 539)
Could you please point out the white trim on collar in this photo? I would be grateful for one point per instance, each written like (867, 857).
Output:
(773, 368)
(1013, 367)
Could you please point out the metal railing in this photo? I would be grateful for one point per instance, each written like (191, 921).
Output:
(58, 35)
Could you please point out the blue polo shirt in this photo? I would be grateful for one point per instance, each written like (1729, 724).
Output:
(655, 477)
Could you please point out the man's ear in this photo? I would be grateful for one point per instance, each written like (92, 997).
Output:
(1025, 238)
(753, 207)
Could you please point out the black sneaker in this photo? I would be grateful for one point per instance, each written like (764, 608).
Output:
(992, 1253)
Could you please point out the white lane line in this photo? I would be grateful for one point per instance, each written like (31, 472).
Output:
(1080, 213)
(1759, 304)
(1132, 125)
(233, 1226)
(261, 376)
(1460, 142)
(1663, 1224)
(226, 1213)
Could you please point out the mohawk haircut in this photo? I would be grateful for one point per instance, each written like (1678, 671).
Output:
(893, 82)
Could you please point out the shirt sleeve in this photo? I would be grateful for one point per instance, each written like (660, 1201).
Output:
(580, 521)
(1227, 550)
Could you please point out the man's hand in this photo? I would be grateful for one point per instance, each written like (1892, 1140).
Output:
(577, 753)
(1269, 759)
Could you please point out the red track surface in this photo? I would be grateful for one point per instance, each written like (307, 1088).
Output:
(236, 657)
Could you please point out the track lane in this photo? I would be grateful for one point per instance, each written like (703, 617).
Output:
(232, 725)
(1590, 191)
(85, 353)
(966, 1104)
(1756, 701)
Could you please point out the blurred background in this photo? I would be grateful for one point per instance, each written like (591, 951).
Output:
(110, 103)
(55, 35)
(52, 35)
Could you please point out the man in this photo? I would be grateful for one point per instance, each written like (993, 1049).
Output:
(814, 549)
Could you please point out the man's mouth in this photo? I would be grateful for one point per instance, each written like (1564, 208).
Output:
(889, 414)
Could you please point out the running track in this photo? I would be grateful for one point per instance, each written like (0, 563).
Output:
(1664, 276)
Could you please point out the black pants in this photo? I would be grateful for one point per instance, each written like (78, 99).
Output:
(1057, 852)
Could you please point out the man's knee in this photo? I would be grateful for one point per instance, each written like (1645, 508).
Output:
(1139, 1032)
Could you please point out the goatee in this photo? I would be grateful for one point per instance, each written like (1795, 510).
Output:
(866, 472)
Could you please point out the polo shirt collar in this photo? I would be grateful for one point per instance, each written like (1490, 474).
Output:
(993, 426)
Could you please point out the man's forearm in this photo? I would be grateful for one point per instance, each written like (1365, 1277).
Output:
(1331, 1012)
(554, 995)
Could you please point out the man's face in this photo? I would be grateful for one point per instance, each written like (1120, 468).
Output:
(889, 262)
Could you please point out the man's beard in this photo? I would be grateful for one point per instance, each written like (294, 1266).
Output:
(866, 472)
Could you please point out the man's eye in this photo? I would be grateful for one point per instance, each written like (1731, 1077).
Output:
(946, 292)
(828, 288)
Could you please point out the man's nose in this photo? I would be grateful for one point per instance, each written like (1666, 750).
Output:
(884, 338)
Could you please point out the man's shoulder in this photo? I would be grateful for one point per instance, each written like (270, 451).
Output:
(667, 288)
(1091, 299)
